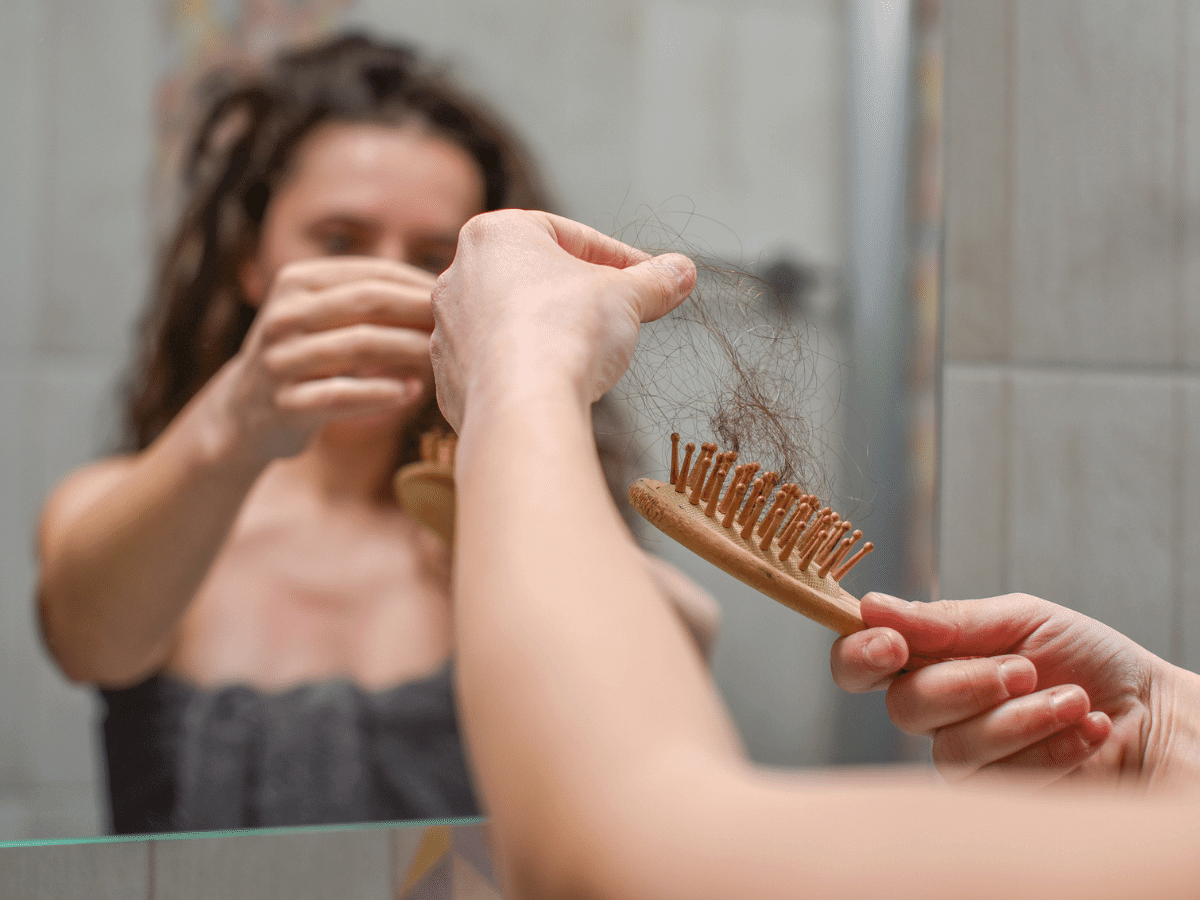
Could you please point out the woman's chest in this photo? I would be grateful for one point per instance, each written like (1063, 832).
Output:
(285, 603)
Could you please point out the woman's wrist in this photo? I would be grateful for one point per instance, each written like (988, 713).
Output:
(1173, 745)
(212, 431)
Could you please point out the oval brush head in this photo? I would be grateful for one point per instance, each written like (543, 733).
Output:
(786, 545)
(425, 489)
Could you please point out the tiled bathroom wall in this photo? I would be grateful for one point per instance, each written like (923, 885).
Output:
(1071, 413)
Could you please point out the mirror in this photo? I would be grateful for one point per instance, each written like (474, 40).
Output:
(738, 127)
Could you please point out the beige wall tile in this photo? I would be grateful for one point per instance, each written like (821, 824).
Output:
(309, 865)
(16, 573)
(99, 152)
(1093, 497)
(76, 872)
(1187, 651)
(22, 147)
(1188, 336)
(975, 492)
(1095, 142)
(978, 180)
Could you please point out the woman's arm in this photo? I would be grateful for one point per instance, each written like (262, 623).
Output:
(125, 544)
(603, 752)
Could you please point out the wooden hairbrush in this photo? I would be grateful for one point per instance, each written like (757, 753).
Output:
(786, 544)
(425, 488)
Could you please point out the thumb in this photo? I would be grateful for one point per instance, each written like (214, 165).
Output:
(662, 283)
(953, 628)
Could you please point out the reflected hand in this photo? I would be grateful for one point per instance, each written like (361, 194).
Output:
(335, 338)
(1026, 687)
(534, 300)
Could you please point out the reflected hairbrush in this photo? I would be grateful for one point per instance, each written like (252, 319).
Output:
(425, 489)
(786, 544)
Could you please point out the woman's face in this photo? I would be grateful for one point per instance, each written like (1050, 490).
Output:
(368, 190)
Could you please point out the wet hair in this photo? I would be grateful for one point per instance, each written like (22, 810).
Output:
(240, 156)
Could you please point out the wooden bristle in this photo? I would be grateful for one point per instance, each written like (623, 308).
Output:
(813, 536)
(760, 485)
(739, 475)
(803, 561)
(783, 499)
(768, 534)
(681, 480)
(752, 518)
(697, 479)
(839, 553)
(711, 483)
(798, 519)
(706, 455)
(842, 552)
(428, 440)
(830, 540)
(735, 503)
(674, 456)
(795, 528)
(831, 545)
(840, 573)
(715, 484)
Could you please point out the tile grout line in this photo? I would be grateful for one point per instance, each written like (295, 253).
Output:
(1178, 525)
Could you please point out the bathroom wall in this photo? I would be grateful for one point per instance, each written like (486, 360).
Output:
(1071, 417)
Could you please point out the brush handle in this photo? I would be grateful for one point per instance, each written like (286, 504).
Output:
(425, 490)
(802, 590)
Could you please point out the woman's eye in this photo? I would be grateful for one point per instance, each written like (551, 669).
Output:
(435, 261)
(338, 244)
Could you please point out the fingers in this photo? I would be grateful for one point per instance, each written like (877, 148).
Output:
(372, 301)
(591, 246)
(939, 695)
(1056, 756)
(957, 628)
(341, 396)
(663, 283)
(1027, 732)
(325, 272)
(867, 660)
(354, 350)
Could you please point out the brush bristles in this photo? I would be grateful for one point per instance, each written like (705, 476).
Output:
(681, 477)
(436, 447)
(790, 524)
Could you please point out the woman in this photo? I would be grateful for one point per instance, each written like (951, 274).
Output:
(269, 631)
(604, 755)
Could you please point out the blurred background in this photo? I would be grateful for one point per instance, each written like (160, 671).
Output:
(796, 138)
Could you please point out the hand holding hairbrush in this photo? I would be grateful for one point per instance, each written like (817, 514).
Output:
(786, 544)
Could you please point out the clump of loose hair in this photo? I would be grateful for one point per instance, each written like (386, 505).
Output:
(732, 365)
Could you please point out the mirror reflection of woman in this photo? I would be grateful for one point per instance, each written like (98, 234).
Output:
(269, 631)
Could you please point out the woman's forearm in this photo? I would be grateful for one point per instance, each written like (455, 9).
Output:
(125, 545)
(546, 581)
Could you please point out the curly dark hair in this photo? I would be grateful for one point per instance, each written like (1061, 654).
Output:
(246, 140)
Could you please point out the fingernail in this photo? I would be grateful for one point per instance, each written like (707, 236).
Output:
(877, 652)
(1094, 728)
(889, 600)
(1016, 676)
(1061, 698)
